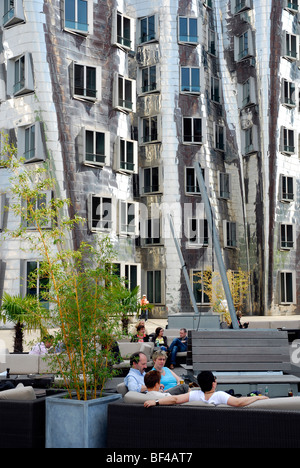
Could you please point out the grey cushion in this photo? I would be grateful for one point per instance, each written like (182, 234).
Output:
(19, 393)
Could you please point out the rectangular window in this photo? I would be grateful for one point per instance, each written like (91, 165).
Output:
(292, 5)
(100, 213)
(220, 137)
(154, 287)
(124, 93)
(286, 236)
(224, 181)
(192, 130)
(35, 211)
(290, 46)
(215, 92)
(148, 79)
(288, 93)
(287, 188)
(29, 143)
(128, 218)
(200, 286)
(287, 140)
(191, 181)
(19, 74)
(148, 29)
(13, 13)
(95, 147)
(76, 15)
(124, 31)
(230, 234)
(190, 80)
(188, 30)
(151, 180)
(85, 81)
(150, 129)
(287, 288)
(126, 156)
(153, 233)
(198, 232)
(37, 285)
(212, 42)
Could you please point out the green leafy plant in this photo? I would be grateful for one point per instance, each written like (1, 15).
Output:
(85, 309)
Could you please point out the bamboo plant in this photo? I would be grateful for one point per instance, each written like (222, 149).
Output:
(82, 293)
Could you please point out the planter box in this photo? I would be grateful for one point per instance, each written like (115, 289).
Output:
(77, 424)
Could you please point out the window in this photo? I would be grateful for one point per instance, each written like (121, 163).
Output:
(126, 155)
(128, 218)
(150, 129)
(122, 31)
(87, 82)
(188, 30)
(2, 209)
(151, 180)
(148, 80)
(148, 29)
(286, 236)
(190, 80)
(212, 42)
(287, 287)
(13, 13)
(20, 75)
(100, 213)
(287, 191)
(290, 46)
(287, 144)
(292, 5)
(243, 46)
(154, 287)
(96, 147)
(33, 281)
(200, 280)
(250, 140)
(215, 89)
(246, 93)
(198, 232)
(76, 16)
(288, 93)
(224, 185)
(241, 5)
(152, 234)
(40, 203)
(131, 273)
(31, 144)
(219, 137)
(230, 234)
(124, 93)
(192, 130)
(191, 181)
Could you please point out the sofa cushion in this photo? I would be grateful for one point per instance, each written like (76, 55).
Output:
(136, 397)
(19, 393)
(285, 403)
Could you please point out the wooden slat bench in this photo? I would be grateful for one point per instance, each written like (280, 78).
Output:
(245, 360)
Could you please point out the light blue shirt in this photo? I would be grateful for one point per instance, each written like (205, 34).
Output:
(134, 380)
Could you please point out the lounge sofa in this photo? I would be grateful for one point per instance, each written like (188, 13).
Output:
(273, 423)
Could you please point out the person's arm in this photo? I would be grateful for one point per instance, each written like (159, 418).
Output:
(176, 377)
(133, 385)
(244, 401)
(170, 400)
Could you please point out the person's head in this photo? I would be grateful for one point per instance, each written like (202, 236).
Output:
(182, 332)
(207, 381)
(138, 361)
(152, 380)
(159, 359)
(140, 329)
(159, 331)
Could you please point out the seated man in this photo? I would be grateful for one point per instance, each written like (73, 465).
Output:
(134, 380)
(207, 383)
(178, 345)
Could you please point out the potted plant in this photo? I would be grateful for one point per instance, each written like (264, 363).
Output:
(84, 307)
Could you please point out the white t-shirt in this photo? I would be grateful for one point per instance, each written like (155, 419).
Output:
(217, 398)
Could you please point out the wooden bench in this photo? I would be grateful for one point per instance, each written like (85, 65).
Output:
(245, 360)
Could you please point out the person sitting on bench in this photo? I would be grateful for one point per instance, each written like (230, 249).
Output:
(207, 383)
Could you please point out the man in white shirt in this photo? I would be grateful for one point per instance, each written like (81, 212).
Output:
(207, 383)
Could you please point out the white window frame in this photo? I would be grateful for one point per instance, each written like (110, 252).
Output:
(48, 222)
(26, 81)
(224, 185)
(181, 39)
(219, 137)
(154, 37)
(243, 46)
(119, 40)
(15, 15)
(151, 299)
(128, 218)
(24, 278)
(237, 6)
(122, 102)
(125, 166)
(152, 231)
(38, 151)
(84, 96)
(199, 232)
(192, 141)
(288, 93)
(150, 87)
(291, 5)
(195, 186)
(288, 52)
(152, 132)
(191, 89)
(230, 234)
(76, 27)
(250, 140)
(144, 188)
(101, 220)
(287, 236)
(246, 93)
(287, 141)
(285, 182)
(283, 278)
(98, 160)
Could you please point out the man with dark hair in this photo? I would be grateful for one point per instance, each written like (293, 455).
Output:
(178, 345)
(134, 380)
(152, 382)
(208, 383)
